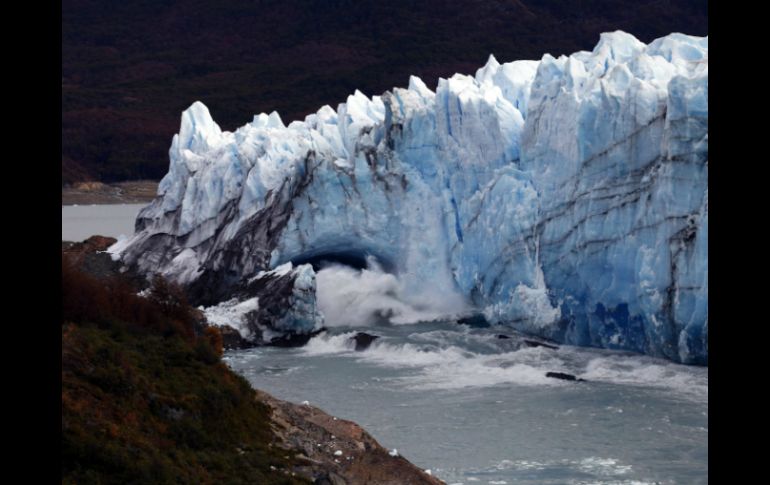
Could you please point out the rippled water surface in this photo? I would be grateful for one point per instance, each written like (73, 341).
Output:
(475, 408)
(469, 406)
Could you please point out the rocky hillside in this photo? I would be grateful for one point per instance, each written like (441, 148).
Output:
(147, 399)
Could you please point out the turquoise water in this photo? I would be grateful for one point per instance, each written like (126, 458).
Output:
(474, 408)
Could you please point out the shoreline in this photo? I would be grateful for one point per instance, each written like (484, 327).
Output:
(326, 450)
(337, 451)
(98, 193)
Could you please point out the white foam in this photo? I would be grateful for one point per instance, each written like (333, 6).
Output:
(479, 372)
(605, 470)
(686, 381)
(326, 344)
(463, 358)
(447, 367)
(603, 466)
(461, 336)
(351, 297)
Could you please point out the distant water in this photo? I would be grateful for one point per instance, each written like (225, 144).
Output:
(466, 405)
(78, 222)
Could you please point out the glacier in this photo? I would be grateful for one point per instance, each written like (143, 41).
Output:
(565, 197)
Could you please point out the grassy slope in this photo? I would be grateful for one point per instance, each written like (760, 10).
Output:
(130, 67)
(146, 400)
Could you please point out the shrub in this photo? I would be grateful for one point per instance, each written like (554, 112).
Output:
(145, 400)
(214, 336)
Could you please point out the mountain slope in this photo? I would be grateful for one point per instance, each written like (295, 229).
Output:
(129, 68)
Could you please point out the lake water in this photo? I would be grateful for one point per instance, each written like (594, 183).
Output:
(78, 222)
(473, 408)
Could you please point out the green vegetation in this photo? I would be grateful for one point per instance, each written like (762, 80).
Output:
(146, 398)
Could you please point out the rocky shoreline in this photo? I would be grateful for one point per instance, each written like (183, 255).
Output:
(326, 450)
(336, 451)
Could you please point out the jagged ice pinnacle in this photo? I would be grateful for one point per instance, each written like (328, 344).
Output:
(566, 197)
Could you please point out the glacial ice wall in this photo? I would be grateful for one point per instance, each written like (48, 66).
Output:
(566, 197)
(623, 221)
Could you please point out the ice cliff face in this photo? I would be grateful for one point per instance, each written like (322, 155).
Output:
(566, 197)
(274, 307)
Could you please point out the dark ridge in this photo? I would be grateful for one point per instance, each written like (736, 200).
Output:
(129, 68)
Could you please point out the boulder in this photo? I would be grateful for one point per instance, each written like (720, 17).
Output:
(363, 340)
(563, 376)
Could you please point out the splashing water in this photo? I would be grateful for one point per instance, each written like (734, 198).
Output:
(473, 407)
(370, 296)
